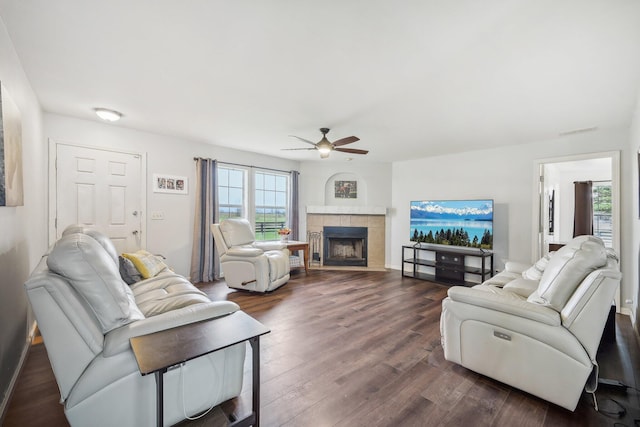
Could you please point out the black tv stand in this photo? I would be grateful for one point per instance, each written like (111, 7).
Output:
(447, 265)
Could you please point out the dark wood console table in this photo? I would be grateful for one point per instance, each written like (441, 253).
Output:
(157, 352)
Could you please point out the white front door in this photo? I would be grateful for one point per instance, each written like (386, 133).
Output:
(101, 189)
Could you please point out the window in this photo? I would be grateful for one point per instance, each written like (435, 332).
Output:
(271, 206)
(231, 193)
(602, 225)
(260, 196)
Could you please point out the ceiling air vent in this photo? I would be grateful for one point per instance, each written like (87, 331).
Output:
(575, 131)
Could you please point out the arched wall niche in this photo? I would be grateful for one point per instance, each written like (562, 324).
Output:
(345, 189)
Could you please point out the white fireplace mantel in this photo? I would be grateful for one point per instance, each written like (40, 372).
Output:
(347, 210)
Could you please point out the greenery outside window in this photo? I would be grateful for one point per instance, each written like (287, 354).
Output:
(602, 224)
(261, 196)
(271, 204)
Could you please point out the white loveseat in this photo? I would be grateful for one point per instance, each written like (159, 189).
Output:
(536, 328)
(246, 263)
(87, 314)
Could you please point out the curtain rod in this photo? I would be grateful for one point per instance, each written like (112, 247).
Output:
(596, 181)
(249, 166)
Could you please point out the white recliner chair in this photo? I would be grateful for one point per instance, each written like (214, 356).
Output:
(247, 264)
(537, 330)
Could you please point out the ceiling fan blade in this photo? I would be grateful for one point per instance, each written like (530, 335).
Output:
(303, 140)
(352, 150)
(298, 148)
(345, 141)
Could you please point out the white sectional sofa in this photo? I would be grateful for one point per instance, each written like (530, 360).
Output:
(536, 328)
(87, 314)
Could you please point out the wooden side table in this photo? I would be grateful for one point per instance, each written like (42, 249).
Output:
(294, 245)
(157, 352)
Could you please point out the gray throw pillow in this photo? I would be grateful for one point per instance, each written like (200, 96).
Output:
(128, 271)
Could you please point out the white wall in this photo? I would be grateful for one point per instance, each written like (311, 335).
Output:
(172, 236)
(22, 228)
(376, 191)
(506, 175)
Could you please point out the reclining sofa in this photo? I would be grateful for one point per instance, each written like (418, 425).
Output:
(536, 328)
(86, 314)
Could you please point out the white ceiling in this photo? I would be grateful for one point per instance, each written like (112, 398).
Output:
(410, 78)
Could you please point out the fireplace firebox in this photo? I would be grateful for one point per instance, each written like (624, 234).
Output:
(345, 246)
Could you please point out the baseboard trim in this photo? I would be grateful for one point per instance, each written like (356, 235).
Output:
(12, 384)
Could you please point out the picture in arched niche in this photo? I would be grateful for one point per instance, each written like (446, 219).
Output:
(346, 190)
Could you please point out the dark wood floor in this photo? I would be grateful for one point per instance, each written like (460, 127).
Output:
(363, 349)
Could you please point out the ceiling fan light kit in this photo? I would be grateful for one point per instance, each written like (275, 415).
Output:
(325, 147)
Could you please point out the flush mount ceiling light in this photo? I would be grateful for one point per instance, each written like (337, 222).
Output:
(108, 115)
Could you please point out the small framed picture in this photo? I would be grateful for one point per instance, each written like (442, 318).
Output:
(346, 190)
(170, 184)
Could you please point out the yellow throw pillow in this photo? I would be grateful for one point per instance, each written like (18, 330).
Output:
(147, 264)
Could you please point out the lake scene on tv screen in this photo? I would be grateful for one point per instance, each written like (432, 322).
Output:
(467, 223)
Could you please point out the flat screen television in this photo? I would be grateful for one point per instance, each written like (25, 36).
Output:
(465, 223)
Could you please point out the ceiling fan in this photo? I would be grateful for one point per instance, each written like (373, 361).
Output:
(324, 146)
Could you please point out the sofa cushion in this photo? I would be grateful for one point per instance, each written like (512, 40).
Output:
(128, 271)
(535, 271)
(147, 264)
(236, 232)
(567, 268)
(521, 286)
(502, 278)
(166, 292)
(91, 272)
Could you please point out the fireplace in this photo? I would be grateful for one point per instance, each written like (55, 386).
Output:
(345, 246)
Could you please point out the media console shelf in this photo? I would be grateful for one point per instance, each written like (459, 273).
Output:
(450, 266)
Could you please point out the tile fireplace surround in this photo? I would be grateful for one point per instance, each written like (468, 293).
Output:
(373, 218)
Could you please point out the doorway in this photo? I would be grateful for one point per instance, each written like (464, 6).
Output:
(100, 188)
(554, 199)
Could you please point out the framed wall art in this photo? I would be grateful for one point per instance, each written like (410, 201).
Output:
(346, 189)
(11, 184)
(170, 184)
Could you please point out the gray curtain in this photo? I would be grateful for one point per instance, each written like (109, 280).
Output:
(294, 219)
(205, 262)
(583, 208)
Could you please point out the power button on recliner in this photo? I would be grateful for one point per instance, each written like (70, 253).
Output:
(502, 335)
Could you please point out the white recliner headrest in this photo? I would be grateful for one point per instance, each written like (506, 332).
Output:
(104, 241)
(84, 262)
(567, 268)
(237, 232)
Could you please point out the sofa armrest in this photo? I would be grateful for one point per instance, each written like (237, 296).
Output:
(117, 340)
(500, 302)
(244, 251)
(269, 245)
